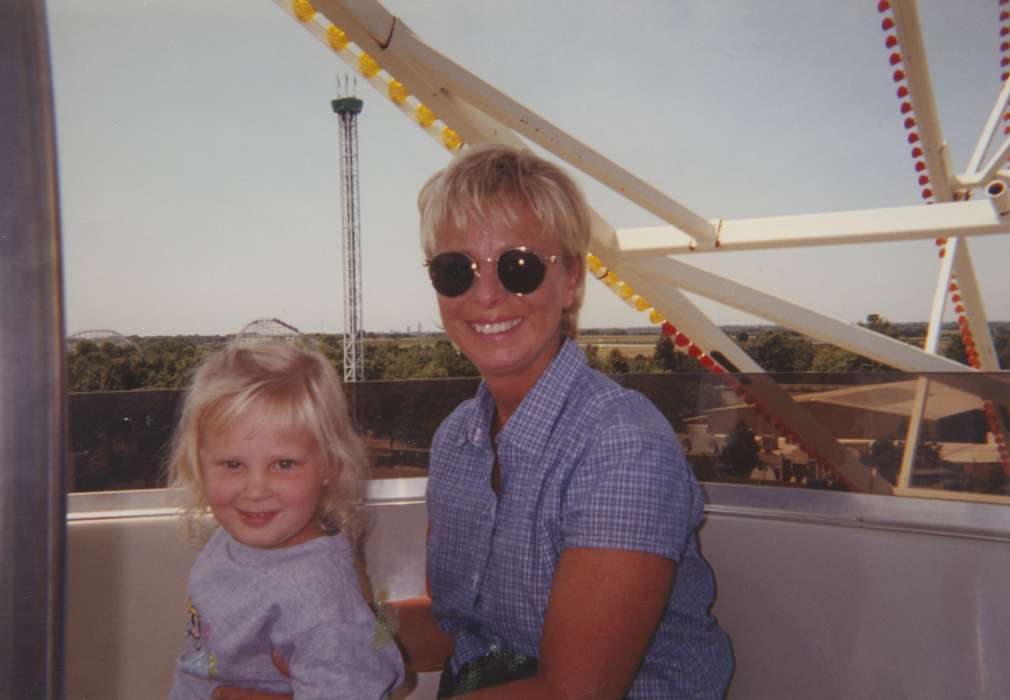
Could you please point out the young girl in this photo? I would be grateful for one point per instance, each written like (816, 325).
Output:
(265, 442)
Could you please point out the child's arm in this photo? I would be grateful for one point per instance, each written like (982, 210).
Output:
(424, 645)
(348, 654)
(343, 660)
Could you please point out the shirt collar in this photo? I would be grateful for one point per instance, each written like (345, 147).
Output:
(530, 426)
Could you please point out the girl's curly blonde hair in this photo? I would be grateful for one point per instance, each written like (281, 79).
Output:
(296, 390)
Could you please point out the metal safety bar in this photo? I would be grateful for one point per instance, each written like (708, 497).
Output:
(32, 393)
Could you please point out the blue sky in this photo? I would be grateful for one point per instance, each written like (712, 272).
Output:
(198, 153)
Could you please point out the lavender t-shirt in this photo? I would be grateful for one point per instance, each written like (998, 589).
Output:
(302, 601)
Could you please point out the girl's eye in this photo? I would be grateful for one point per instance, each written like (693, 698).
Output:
(285, 464)
(232, 465)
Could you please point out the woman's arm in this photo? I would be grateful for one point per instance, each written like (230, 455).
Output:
(603, 608)
(424, 645)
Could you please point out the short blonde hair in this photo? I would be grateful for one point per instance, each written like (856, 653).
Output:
(300, 390)
(488, 180)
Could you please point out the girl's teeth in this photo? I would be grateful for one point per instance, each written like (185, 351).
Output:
(491, 328)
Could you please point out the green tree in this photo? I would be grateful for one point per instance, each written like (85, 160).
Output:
(1002, 343)
(778, 351)
(880, 324)
(640, 364)
(456, 364)
(616, 362)
(955, 350)
(741, 450)
(665, 358)
(829, 358)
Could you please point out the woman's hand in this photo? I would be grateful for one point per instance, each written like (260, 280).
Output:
(424, 645)
(604, 607)
(225, 692)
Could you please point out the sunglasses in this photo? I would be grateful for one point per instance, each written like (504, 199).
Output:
(520, 271)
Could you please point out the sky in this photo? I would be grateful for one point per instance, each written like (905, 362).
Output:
(199, 178)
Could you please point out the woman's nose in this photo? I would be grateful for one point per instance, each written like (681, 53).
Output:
(487, 288)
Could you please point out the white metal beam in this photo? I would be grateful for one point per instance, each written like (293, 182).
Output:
(683, 313)
(914, 432)
(972, 218)
(971, 297)
(988, 131)
(457, 81)
(674, 305)
(856, 339)
(472, 125)
(916, 68)
(984, 176)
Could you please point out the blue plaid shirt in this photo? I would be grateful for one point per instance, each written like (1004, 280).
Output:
(584, 463)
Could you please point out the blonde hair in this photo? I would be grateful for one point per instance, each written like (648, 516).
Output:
(299, 389)
(488, 180)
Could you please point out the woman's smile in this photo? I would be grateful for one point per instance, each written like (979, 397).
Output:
(496, 327)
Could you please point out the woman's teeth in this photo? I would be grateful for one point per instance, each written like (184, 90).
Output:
(492, 328)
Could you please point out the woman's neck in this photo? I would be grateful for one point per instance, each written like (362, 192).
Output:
(508, 391)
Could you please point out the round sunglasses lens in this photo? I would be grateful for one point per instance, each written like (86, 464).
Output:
(451, 274)
(520, 271)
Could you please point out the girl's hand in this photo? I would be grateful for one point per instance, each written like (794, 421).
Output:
(225, 692)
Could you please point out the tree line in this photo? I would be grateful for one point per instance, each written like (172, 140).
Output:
(167, 361)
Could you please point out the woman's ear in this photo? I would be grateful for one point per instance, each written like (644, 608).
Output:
(575, 272)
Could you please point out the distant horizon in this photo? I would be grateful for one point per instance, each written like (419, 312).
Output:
(642, 330)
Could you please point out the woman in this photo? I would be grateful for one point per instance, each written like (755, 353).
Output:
(562, 556)
(561, 508)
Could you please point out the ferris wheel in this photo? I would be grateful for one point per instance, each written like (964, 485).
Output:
(649, 268)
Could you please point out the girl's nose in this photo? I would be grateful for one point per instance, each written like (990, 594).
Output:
(257, 485)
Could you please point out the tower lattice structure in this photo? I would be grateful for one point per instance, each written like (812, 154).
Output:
(347, 110)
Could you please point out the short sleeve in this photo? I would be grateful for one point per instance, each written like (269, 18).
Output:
(633, 490)
(334, 645)
(346, 660)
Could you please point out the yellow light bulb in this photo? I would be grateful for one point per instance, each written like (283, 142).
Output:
(425, 117)
(451, 139)
(641, 304)
(593, 262)
(336, 38)
(303, 10)
(367, 65)
(397, 92)
(611, 279)
(626, 292)
(656, 317)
